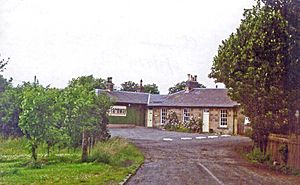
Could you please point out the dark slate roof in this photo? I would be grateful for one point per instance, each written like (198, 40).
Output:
(198, 97)
(156, 99)
(127, 97)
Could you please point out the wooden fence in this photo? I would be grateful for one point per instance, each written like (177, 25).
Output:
(277, 142)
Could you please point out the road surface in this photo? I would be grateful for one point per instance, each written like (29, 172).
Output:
(173, 158)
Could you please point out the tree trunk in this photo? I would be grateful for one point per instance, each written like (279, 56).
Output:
(33, 152)
(84, 154)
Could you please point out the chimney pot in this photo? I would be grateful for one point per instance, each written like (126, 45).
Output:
(141, 88)
(109, 84)
(196, 78)
(189, 77)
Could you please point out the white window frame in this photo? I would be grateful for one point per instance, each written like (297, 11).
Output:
(117, 111)
(224, 118)
(186, 114)
(163, 115)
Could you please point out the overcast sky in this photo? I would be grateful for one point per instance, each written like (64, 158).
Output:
(159, 41)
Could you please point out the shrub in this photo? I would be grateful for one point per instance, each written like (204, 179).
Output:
(100, 157)
(173, 124)
(115, 152)
(35, 164)
(172, 121)
(194, 125)
(257, 156)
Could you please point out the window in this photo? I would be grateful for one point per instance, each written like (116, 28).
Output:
(186, 114)
(163, 115)
(117, 111)
(223, 118)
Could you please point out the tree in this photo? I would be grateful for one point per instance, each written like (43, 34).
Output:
(252, 64)
(129, 86)
(10, 103)
(36, 118)
(9, 108)
(181, 86)
(290, 10)
(84, 113)
(151, 88)
(94, 83)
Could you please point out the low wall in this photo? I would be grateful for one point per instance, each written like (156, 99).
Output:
(292, 141)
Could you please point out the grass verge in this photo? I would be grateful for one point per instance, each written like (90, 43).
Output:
(109, 163)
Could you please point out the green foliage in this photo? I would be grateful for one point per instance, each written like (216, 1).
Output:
(181, 86)
(172, 121)
(93, 83)
(115, 152)
(252, 63)
(256, 156)
(65, 168)
(10, 102)
(129, 86)
(151, 88)
(194, 124)
(38, 119)
(173, 124)
(83, 110)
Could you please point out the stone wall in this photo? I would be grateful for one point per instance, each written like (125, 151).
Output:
(214, 118)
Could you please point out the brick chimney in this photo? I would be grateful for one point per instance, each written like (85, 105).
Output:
(109, 84)
(141, 87)
(191, 83)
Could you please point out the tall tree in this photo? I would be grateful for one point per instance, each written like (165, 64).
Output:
(129, 86)
(151, 88)
(252, 64)
(84, 112)
(10, 101)
(10, 107)
(181, 86)
(91, 81)
(36, 118)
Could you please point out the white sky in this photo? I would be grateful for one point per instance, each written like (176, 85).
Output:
(159, 41)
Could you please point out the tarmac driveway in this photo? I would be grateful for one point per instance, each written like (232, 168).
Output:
(173, 158)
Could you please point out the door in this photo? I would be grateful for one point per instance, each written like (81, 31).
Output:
(205, 126)
(149, 118)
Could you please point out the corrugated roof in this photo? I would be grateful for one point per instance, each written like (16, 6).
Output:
(198, 97)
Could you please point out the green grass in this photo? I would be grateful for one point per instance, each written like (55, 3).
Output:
(66, 168)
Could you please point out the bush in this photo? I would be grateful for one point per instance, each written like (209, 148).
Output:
(257, 156)
(172, 121)
(115, 152)
(194, 125)
(100, 157)
(173, 124)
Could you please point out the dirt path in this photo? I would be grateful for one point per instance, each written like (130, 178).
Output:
(205, 161)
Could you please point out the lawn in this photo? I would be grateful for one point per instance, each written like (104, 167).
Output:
(110, 162)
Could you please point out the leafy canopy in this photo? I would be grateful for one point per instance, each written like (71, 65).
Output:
(181, 86)
(252, 63)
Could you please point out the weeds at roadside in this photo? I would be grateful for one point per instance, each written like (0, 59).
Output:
(255, 156)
